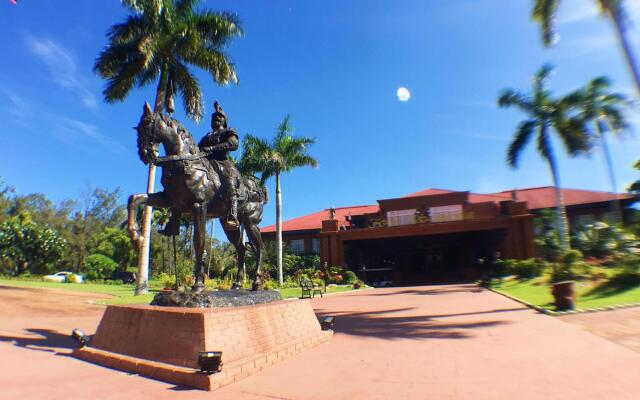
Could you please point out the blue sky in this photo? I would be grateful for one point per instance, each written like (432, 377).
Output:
(334, 66)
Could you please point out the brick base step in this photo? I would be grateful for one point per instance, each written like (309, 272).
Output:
(163, 342)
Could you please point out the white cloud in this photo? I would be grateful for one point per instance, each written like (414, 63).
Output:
(62, 68)
(68, 130)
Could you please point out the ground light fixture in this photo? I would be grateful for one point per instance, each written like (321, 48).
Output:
(327, 323)
(210, 361)
(79, 336)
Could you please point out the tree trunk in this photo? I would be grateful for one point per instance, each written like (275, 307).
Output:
(142, 284)
(562, 224)
(618, 24)
(279, 228)
(615, 203)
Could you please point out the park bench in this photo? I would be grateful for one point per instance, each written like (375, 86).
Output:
(309, 287)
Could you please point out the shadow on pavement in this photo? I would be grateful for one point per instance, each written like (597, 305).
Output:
(43, 340)
(382, 325)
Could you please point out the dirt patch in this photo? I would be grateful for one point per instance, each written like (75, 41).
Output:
(19, 302)
(619, 326)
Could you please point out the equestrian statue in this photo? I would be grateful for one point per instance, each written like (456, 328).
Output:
(200, 180)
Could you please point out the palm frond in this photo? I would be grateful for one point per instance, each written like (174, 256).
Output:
(575, 136)
(523, 135)
(189, 88)
(511, 97)
(544, 13)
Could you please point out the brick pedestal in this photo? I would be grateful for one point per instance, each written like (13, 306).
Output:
(163, 342)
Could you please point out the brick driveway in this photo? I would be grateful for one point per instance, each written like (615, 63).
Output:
(428, 342)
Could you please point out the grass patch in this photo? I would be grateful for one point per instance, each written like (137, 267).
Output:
(296, 292)
(538, 292)
(124, 294)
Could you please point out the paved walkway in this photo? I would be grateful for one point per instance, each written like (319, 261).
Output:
(429, 342)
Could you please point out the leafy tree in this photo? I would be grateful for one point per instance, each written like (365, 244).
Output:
(283, 154)
(5, 200)
(544, 13)
(605, 110)
(29, 245)
(98, 266)
(115, 244)
(156, 44)
(546, 114)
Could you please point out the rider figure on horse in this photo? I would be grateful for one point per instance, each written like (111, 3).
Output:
(216, 145)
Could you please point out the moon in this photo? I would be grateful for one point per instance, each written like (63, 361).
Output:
(403, 94)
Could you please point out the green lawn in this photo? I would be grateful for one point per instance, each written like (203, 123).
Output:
(123, 294)
(537, 291)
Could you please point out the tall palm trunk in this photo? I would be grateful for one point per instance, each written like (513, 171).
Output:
(562, 223)
(618, 24)
(615, 203)
(142, 285)
(279, 228)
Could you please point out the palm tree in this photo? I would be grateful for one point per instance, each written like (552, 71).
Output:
(545, 114)
(283, 154)
(606, 110)
(544, 12)
(157, 43)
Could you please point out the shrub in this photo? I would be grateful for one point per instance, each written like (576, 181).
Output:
(358, 284)
(601, 239)
(350, 277)
(501, 268)
(72, 278)
(98, 266)
(526, 269)
(565, 269)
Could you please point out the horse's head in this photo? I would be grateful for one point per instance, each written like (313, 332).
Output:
(155, 128)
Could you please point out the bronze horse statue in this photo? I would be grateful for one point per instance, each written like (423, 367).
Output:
(192, 186)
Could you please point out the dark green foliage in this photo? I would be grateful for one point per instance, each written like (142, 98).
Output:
(527, 269)
(116, 244)
(350, 277)
(566, 268)
(98, 266)
(26, 244)
(500, 268)
(547, 238)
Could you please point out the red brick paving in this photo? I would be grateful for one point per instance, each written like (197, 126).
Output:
(430, 342)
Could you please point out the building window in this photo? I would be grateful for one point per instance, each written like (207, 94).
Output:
(315, 246)
(446, 213)
(401, 217)
(297, 246)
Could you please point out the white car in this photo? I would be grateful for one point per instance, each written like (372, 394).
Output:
(62, 277)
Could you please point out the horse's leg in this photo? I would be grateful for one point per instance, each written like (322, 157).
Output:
(199, 235)
(135, 200)
(132, 225)
(255, 238)
(233, 234)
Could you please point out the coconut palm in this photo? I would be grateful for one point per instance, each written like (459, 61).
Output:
(545, 115)
(157, 44)
(606, 111)
(283, 154)
(544, 12)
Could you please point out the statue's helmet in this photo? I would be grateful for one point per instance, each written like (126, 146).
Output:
(218, 116)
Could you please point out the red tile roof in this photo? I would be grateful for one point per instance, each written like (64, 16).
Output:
(536, 198)
(545, 197)
(314, 221)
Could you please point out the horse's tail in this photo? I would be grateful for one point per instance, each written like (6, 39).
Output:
(255, 188)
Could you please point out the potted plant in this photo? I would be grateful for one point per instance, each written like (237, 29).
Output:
(562, 280)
